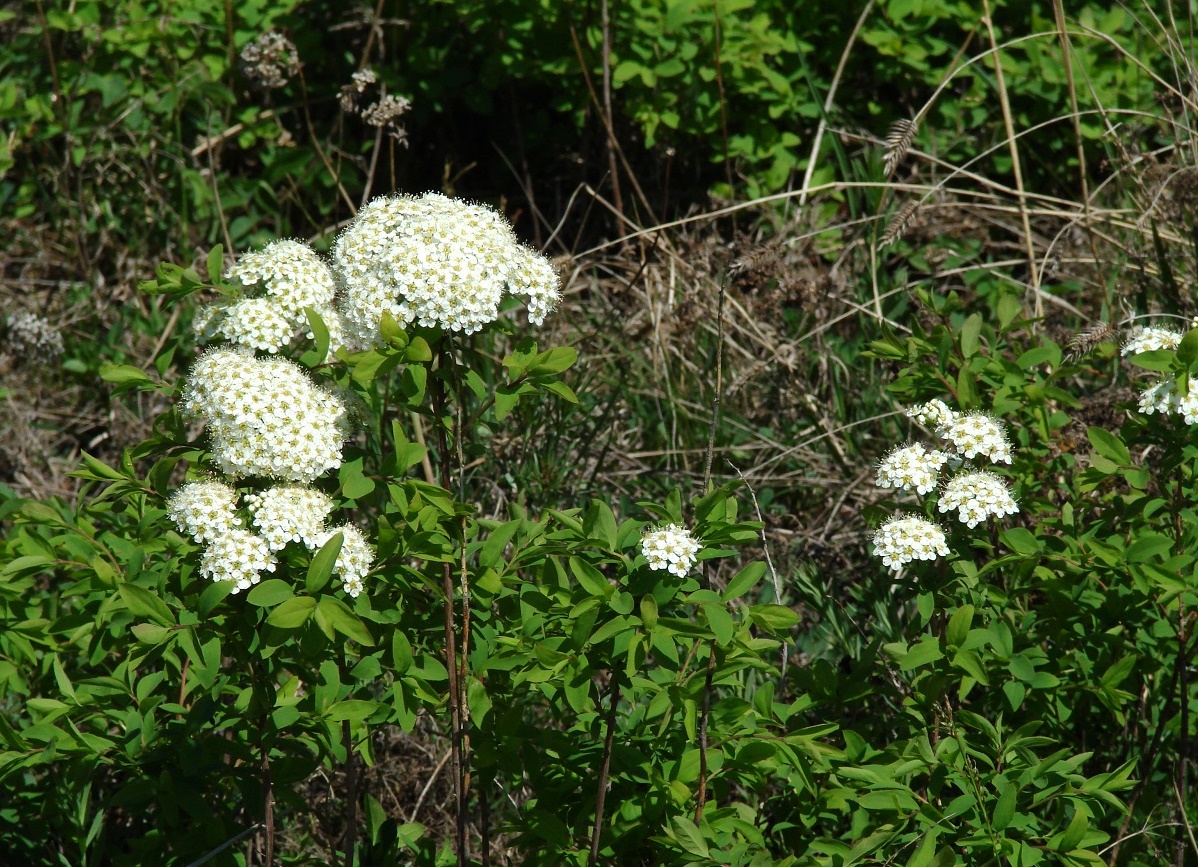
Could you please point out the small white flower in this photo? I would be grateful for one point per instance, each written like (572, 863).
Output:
(911, 467)
(1146, 338)
(1161, 397)
(670, 547)
(204, 510)
(934, 413)
(976, 433)
(290, 513)
(904, 538)
(238, 556)
(355, 559)
(976, 497)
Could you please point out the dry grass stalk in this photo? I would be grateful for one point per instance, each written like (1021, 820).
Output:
(900, 223)
(898, 142)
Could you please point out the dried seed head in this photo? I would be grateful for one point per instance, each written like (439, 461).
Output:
(901, 222)
(270, 61)
(898, 142)
(1083, 342)
(32, 338)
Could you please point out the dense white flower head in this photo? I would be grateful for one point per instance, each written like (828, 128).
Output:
(204, 510)
(934, 413)
(1146, 338)
(911, 467)
(904, 538)
(290, 273)
(670, 547)
(438, 262)
(238, 556)
(290, 277)
(976, 497)
(354, 560)
(255, 323)
(265, 417)
(290, 513)
(1161, 397)
(976, 433)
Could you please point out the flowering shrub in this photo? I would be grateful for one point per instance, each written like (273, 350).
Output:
(256, 601)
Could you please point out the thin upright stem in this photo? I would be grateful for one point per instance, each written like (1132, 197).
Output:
(705, 713)
(351, 795)
(451, 638)
(268, 809)
(604, 771)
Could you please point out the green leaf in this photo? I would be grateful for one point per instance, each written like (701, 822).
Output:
(719, 620)
(215, 263)
(924, 653)
(339, 616)
(552, 361)
(592, 580)
(418, 351)
(648, 611)
(969, 335)
(143, 603)
(958, 626)
(320, 570)
(1159, 360)
(492, 550)
(150, 633)
(320, 336)
(744, 580)
(1109, 446)
(1077, 829)
(293, 613)
(690, 837)
(478, 700)
(390, 331)
(562, 390)
(1021, 541)
(926, 851)
(354, 483)
(269, 593)
(967, 389)
(1004, 810)
(774, 618)
(351, 709)
(127, 377)
(1187, 350)
(600, 524)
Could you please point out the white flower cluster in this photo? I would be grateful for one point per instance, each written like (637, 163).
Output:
(291, 277)
(976, 497)
(911, 467)
(670, 547)
(436, 261)
(207, 511)
(976, 433)
(204, 510)
(238, 556)
(903, 538)
(1163, 396)
(265, 416)
(1147, 338)
(934, 413)
(354, 560)
(290, 513)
